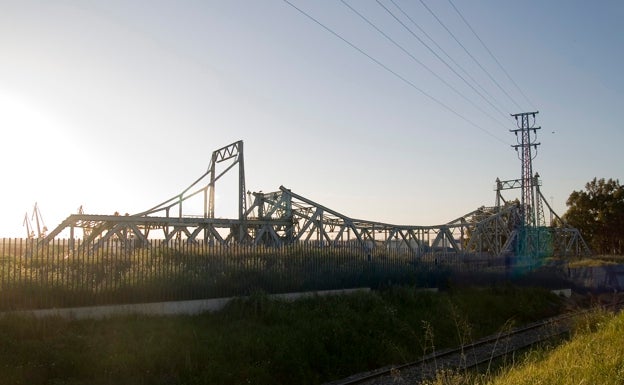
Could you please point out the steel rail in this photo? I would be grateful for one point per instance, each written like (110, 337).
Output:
(554, 326)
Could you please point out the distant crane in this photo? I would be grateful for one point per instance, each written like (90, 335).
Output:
(38, 218)
(29, 230)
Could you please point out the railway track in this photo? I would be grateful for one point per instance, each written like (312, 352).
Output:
(480, 352)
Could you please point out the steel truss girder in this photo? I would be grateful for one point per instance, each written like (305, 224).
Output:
(139, 229)
(312, 222)
(566, 240)
(494, 231)
(283, 217)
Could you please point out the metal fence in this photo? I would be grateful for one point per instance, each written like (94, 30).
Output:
(69, 273)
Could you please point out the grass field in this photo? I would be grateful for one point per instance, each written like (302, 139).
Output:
(594, 355)
(598, 260)
(262, 341)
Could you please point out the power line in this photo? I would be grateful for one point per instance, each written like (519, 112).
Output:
(469, 54)
(402, 78)
(419, 62)
(492, 55)
(439, 58)
(445, 53)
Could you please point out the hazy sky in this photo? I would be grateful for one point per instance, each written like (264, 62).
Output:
(118, 105)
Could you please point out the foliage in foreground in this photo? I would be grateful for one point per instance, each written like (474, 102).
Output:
(262, 341)
(595, 355)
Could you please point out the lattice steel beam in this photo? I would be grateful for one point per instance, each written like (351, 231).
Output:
(283, 217)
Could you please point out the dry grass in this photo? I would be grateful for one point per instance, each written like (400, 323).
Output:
(598, 260)
(595, 355)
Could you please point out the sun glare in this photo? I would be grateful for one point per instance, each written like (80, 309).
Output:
(33, 146)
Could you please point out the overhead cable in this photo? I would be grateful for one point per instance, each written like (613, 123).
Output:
(493, 57)
(421, 63)
(446, 54)
(400, 77)
(440, 58)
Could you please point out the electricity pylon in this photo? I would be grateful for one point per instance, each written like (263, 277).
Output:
(527, 150)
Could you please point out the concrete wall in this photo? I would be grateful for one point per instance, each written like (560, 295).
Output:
(161, 308)
(601, 278)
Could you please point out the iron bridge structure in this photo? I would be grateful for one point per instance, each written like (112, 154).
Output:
(284, 217)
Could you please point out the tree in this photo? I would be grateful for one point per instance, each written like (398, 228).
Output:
(598, 213)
